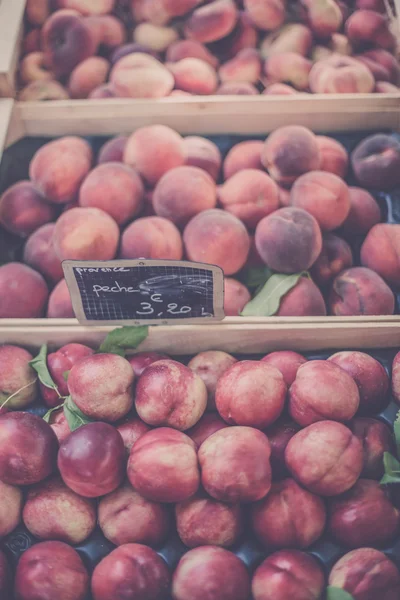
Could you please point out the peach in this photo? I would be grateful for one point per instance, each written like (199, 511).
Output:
(289, 517)
(334, 158)
(236, 296)
(363, 516)
(244, 155)
(287, 362)
(53, 568)
(134, 568)
(339, 74)
(194, 75)
(377, 5)
(324, 16)
(322, 391)
(163, 466)
(364, 212)
(210, 366)
(211, 22)
(60, 303)
(235, 465)
(369, 27)
(23, 292)
(88, 7)
(236, 88)
(31, 42)
(23, 209)
(28, 448)
(382, 64)
(160, 12)
(131, 430)
(294, 37)
(58, 168)
(279, 435)
(59, 424)
(325, 457)
(54, 512)
(154, 150)
(217, 237)
(364, 573)
(340, 44)
(250, 195)
(155, 37)
(376, 438)
(126, 517)
(87, 76)
(284, 197)
(33, 68)
(250, 393)
(253, 259)
(41, 91)
(217, 571)
(288, 574)
(67, 40)
(140, 75)
(244, 35)
(115, 188)
(381, 252)
(336, 255)
(279, 89)
(103, 92)
(303, 300)
(84, 234)
(113, 150)
(324, 195)
(10, 510)
(208, 424)
(360, 291)
(170, 394)
(376, 162)
(395, 377)
(151, 237)
(18, 381)
(289, 240)
(39, 253)
(267, 15)
(109, 30)
(202, 521)
(91, 460)
(5, 577)
(130, 48)
(204, 154)
(289, 152)
(370, 376)
(37, 11)
(190, 49)
(288, 67)
(184, 192)
(245, 66)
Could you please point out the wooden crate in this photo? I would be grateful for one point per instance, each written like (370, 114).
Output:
(11, 34)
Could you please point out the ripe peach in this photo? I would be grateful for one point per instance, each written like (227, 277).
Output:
(376, 438)
(155, 37)
(163, 466)
(360, 291)
(141, 360)
(31, 42)
(208, 424)
(288, 67)
(23, 209)
(334, 158)
(53, 567)
(336, 255)
(244, 35)
(231, 474)
(250, 393)
(236, 296)
(288, 574)
(28, 448)
(215, 570)
(287, 362)
(113, 150)
(91, 460)
(244, 155)
(381, 252)
(294, 37)
(245, 66)
(33, 68)
(339, 74)
(139, 75)
(364, 212)
(289, 240)
(39, 253)
(267, 15)
(170, 394)
(382, 64)
(303, 300)
(217, 237)
(194, 75)
(23, 292)
(18, 381)
(377, 5)
(237, 88)
(131, 48)
(211, 22)
(10, 511)
(376, 162)
(59, 424)
(58, 168)
(204, 154)
(190, 49)
(60, 303)
(154, 150)
(279, 435)
(37, 11)
(131, 430)
(324, 16)
(210, 366)
(250, 195)
(369, 27)
(87, 76)
(126, 517)
(289, 517)
(322, 391)
(151, 237)
(289, 152)
(280, 89)
(132, 567)
(325, 457)
(109, 30)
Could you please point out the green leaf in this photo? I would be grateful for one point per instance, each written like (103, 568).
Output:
(75, 417)
(334, 593)
(66, 374)
(124, 338)
(266, 303)
(392, 469)
(397, 431)
(50, 412)
(39, 364)
(256, 277)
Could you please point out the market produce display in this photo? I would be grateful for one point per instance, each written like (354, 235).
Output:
(157, 48)
(300, 225)
(242, 479)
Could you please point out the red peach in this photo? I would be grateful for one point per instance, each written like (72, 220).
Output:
(324, 16)
(10, 511)
(368, 26)
(360, 291)
(364, 212)
(236, 296)
(376, 161)
(151, 237)
(294, 37)
(37, 11)
(140, 361)
(303, 300)
(139, 75)
(113, 150)
(190, 49)
(381, 252)
(208, 424)
(287, 362)
(211, 22)
(23, 292)
(194, 75)
(155, 37)
(336, 255)
(23, 209)
(210, 366)
(244, 155)
(39, 253)
(339, 74)
(59, 424)
(267, 15)
(279, 435)
(288, 67)
(60, 303)
(376, 438)
(244, 35)
(131, 430)
(18, 381)
(87, 76)
(334, 157)
(245, 66)
(204, 154)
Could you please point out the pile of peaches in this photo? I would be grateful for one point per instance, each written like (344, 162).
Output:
(282, 450)
(268, 207)
(158, 48)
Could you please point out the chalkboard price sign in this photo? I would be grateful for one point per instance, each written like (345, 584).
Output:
(122, 292)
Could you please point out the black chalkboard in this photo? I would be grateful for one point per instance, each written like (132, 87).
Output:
(144, 291)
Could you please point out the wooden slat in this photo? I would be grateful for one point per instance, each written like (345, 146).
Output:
(11, 32)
